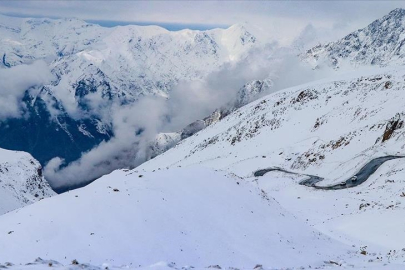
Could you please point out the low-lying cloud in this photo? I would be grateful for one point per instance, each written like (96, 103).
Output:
(136, 125)
(15, 81)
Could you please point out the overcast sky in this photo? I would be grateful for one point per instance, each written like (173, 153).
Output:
(283, 19)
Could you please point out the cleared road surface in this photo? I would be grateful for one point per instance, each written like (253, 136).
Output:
(360, 177)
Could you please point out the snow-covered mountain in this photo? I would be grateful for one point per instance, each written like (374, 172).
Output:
(21, 181)
(127, 61)
(203, 193)
(202, 204)
(95, 67)
(380, 43)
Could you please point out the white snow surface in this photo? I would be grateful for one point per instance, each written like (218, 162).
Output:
(192, 216)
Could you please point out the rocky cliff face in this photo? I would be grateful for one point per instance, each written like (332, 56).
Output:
(21, 181)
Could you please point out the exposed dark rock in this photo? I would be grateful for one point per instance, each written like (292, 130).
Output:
(380, 43)
(392, 125)
(305, 96)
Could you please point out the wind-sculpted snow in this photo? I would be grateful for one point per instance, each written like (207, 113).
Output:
(21, 181)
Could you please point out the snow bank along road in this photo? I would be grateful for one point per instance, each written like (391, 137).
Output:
(360, 177)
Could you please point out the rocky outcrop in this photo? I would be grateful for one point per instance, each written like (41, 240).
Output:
(394, 124)
(21, 181)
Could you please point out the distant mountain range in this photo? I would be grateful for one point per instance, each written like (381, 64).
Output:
(95, 67)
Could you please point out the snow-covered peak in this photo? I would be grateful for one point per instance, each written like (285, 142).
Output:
(125, 61)
(39, 38)
(398, 12)
(150, 60)
(235, 39)
(134, 60)
(380, 43)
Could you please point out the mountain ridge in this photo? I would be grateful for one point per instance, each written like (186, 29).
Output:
(379, 43)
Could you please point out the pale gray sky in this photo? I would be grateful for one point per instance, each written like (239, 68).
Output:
(282, 19)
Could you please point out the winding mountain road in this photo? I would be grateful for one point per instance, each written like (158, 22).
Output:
(360, 177)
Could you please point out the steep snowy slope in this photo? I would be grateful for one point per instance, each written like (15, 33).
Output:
(330, 129)
(195, 217)
(21, 181)
(347, 114)
(380, 43)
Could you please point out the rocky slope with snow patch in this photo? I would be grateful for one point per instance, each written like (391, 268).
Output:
(347, 115)
(21, 181)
